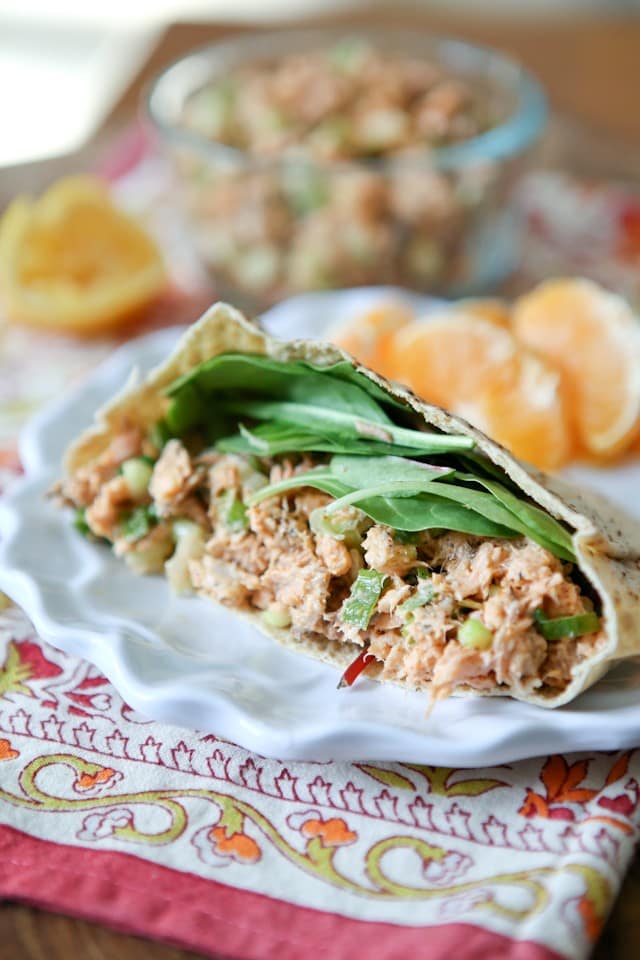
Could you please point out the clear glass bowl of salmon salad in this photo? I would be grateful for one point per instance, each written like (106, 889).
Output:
(321, 159)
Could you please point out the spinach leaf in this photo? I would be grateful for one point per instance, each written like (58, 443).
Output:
(345, 425)
(185, 411)
(363, 472)
(534, 522)
(409, 513)
(319, 479)
(334, 404)
(293, 382)
(393, 490)
(275, 378)
(274, 437)
(428, 512)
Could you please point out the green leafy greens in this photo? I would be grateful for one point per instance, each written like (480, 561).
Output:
(305, 402)
(255, 405)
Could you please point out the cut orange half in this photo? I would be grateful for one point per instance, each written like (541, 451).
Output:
(593, 338)
(476, 369)
(73, 261)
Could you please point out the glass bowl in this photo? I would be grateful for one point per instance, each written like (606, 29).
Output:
(434, 219)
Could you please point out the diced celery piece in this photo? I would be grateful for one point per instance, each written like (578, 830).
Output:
(189, 546)
(137, 473)
(474, 634)
(347, 527)
(276, 616)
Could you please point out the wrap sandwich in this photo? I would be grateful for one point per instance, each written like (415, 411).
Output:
(354, 523)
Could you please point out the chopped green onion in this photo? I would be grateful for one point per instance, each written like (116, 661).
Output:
(233, 512)
(359, 606)
(137, 474)
(276, 616)
(80, 522)
(160, 434)
(560, 627)
(138, 523)
(475, 635)
(424, 593)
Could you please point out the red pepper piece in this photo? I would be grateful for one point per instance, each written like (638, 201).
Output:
(354, 669)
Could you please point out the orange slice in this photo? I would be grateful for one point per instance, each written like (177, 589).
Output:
(368, 336)
(72, 261)
(488, 308)
(593, 339)
(527, 414)
(449, 357)
(476, 369)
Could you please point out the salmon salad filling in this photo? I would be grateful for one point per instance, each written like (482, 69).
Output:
(285, 537)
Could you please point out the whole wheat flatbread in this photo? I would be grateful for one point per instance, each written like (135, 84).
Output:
(605, 540)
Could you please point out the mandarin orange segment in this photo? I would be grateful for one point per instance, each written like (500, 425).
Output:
(527, 415)
(368, 336)
(448, 358)
(593, 339)
(72, 261)
(488, 308)
(476, 369)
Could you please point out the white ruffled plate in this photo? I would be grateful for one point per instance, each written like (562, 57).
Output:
(183, 661)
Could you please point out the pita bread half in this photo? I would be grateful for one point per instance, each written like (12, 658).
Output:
(606, 541)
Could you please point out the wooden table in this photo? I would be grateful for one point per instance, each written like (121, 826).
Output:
(591, 69)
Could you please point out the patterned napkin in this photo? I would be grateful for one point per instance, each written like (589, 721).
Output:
(188, 838)
(185, 837)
